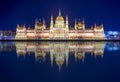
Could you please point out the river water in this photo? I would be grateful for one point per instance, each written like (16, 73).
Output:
(60, 61)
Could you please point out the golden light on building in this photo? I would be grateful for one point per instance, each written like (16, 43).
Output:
(60, 30)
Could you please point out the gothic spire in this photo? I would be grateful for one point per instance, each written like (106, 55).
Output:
(51, 17)
(59, 12)
(66, 19)
(75, 21)
(43, 20)
(83, 20)
(51, 22)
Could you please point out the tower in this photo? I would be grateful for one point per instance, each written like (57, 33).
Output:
(75, 26)
(80, 25)
(44, 24)
(67, 25)
(40, 24)
(99, 32)
(83, 24)
(51, 23)
(59, 12)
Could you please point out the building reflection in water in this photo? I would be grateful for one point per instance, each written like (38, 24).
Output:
(59, 51)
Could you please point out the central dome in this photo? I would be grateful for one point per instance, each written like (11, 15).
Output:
(60, 18)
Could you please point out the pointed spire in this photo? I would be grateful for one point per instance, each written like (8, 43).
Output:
(36, 21)
(51, 17)
(43, 20)
(24, 25)
(29, 27)
(51, 22)
(75, 21)
(67, 24)
(79, 19)
(83, 20)
(40, 20)
(102, 25)
(75, 25)
(17, 25)
(66, 17)
(95, 25)
(59, 12)
(91, 27)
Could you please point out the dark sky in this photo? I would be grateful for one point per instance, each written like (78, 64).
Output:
(13, 12)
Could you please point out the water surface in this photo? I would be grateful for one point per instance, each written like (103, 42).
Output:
(60, 61)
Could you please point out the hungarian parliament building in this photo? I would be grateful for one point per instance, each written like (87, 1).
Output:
(59, 30)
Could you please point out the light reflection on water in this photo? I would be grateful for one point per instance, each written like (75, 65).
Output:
(60, 54)
(59, 51)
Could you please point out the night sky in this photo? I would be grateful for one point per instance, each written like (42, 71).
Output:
(13, 12)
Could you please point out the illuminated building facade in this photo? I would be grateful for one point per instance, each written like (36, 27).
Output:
(60, 30)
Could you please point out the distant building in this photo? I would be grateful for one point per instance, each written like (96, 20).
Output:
(60, 30)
